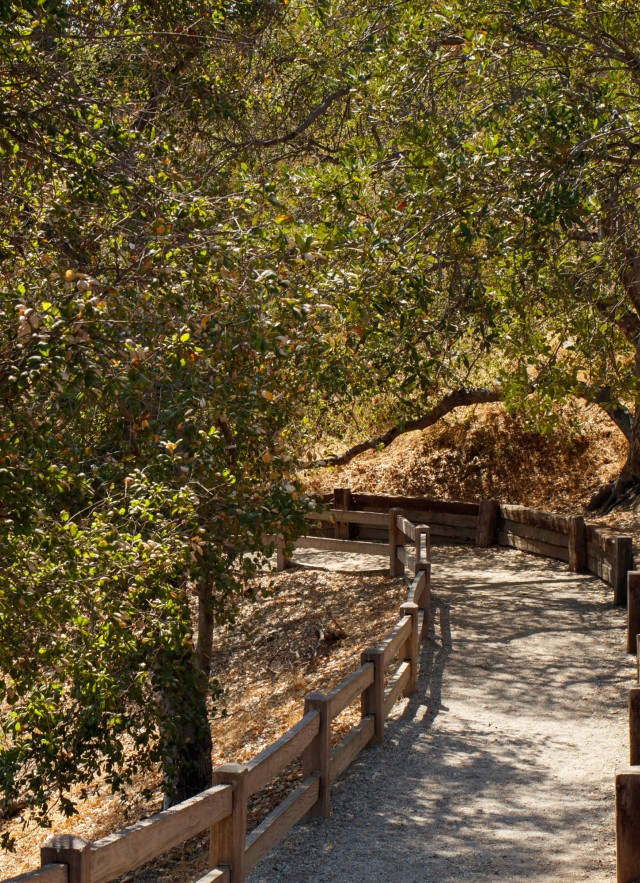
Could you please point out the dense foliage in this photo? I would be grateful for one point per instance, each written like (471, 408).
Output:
(223, 223)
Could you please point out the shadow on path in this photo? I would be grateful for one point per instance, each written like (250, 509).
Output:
(500, 766)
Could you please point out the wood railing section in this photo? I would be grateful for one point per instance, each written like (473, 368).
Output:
(586, 547)
(386, 673)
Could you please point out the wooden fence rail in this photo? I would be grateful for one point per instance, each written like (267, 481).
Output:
(586, 547)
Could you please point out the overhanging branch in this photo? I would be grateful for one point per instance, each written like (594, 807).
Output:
(603, 397)
(458, 398)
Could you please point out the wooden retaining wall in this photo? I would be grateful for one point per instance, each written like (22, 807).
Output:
(585, 547)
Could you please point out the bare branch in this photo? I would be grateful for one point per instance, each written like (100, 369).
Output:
(459, 398)
(304, 125)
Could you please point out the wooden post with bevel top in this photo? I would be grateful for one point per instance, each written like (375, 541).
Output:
(373, 696)
(628, 824)
(634, 726)
(69, 850)
(412, 645)
(577, 544)
(316, 758)
(633, 610)
(396, 567)
(342, 500)
(228, 838)
(487, 526)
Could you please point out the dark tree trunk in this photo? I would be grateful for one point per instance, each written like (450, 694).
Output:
(188, 766)
(188, 769)
(624, 489)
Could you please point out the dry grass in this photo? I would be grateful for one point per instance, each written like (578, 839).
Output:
(486, 452)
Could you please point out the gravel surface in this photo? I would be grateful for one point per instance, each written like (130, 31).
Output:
(501, 766)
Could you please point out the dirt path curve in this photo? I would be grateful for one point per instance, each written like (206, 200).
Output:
(501, 765)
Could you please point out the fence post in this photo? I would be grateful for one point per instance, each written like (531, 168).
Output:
(622, 563)
(487, 527)
(69, 850)
(396, 567)
(577, 544)
(627, 824)
(634, 726)
(422, 563)
(342, 500)
(228, 838)
(316, 758)
(426, 604)
(412, 645)
(633, 610)
(373, 696)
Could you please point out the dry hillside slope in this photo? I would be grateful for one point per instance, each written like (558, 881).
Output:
(486, 452)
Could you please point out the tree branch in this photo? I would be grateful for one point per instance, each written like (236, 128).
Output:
(304, 125)
(456, 399)
(602, 397)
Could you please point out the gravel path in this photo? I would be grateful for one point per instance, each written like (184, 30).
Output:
(501, 765)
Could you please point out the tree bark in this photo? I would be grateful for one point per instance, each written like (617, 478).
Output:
(188, 769)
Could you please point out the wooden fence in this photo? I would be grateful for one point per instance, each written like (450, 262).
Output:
(386, 673)
(362, 522)
(628, 778)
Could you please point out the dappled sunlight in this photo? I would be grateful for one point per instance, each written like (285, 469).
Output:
(500, 766)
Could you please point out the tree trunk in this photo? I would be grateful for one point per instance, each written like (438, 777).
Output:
(188, 767)
(626, 487)
(188, 763)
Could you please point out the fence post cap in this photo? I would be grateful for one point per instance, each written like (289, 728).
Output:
(408, 606)
(235, 769)
(371, 653)
(66, 841)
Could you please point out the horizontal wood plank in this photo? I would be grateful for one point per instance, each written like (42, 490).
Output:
(443, 531)
(53, 873)
(273, 828)
(328, 544)
(410, 562)
(395, 640)
(543, 534)
(596, 552)
(218, 875)
(282, 752)
(396, 686)
(349, 689)
(601, 568)
(441, 519)
(535, 517)
(140, 843)
(384, 502)
(348, 516)
(417, 589)
(603, 538)
(346, 752)
(406, 527)
(524, 544)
